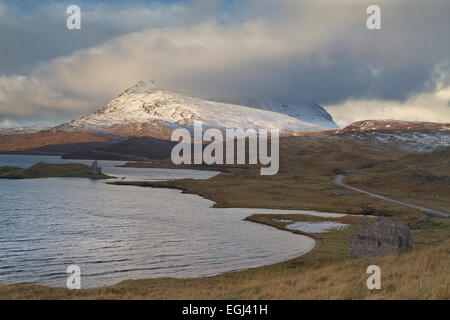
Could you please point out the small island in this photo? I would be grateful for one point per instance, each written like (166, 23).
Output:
(46, 170)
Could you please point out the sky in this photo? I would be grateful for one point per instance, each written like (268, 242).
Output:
(302, 50)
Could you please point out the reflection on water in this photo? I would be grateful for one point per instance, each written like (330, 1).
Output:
(125, 232)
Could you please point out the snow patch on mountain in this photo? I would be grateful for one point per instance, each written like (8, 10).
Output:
(418, 141)
(310, 112)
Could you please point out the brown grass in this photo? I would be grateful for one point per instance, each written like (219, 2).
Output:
(46, 137)
(304, 181)
(421, 178)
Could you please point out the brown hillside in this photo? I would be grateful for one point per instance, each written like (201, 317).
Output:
(47, 137)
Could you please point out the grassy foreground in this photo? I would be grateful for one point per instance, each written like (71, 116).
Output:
(45, 170)
(326, 273)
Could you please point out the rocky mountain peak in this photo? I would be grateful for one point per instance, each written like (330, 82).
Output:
(142, 87)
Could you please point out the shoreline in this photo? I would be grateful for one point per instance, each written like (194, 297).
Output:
(316, 246)
(294, 255)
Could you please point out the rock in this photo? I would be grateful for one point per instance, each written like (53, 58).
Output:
(380, 239)
(95, 169)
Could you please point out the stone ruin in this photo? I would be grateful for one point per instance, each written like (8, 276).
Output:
(380, 239)
(95, 169)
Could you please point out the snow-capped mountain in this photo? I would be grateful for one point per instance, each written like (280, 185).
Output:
(310, 112)
(21, 130)
(146, 104)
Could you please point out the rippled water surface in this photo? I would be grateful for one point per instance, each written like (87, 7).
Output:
(122, 232)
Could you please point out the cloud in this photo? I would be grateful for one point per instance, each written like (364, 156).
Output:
(33, 32)
(302, 50)
(432, 105)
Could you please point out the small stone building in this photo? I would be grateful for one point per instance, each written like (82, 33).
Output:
(381, 238)
(95, 169)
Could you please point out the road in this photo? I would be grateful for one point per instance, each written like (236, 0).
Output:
(338, 181)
